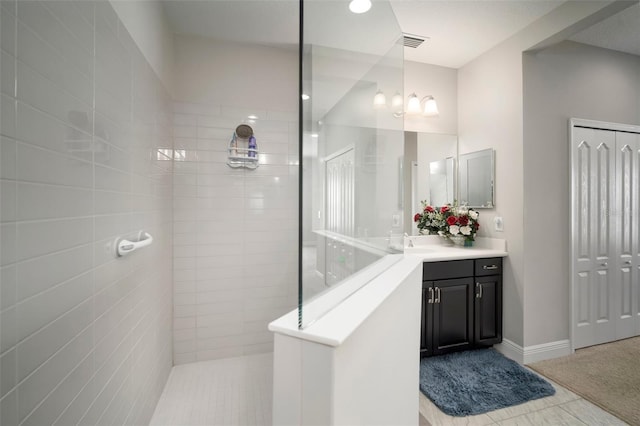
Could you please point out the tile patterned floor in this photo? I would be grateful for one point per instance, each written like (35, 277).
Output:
(231, 391)
(563, 408)
(238, 392)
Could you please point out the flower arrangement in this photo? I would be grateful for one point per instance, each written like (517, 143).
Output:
(448, 221)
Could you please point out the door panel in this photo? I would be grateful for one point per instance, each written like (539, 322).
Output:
(593, 195)
(488, 310)
(452, 315)
(626, 248)
(605, 235)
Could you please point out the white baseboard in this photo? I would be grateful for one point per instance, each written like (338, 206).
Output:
(511, 350)
(544, 351)
(535, 353)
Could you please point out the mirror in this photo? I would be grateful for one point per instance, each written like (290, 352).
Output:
(476, 179)
(424, 153)
(434, 172)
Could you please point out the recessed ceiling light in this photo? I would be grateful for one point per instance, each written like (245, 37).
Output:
(360, 6)
(252, 117)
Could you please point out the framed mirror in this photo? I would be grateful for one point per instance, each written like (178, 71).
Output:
(476, 177)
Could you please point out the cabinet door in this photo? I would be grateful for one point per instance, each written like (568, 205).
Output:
(426, 313)
(488, 310)
(452, 315)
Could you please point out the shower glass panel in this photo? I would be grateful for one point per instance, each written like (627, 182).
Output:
(352, 151)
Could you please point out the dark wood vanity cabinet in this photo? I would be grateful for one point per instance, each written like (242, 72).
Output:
(461, 305)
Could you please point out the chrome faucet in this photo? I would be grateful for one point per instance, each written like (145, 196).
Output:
(410, 240)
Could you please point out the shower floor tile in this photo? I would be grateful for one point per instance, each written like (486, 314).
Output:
(231, 391)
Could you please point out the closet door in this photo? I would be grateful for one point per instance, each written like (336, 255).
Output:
(627, 236)
(593, 164)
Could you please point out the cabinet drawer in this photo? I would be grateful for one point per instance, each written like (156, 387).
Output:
(490, 266)
(446, 270)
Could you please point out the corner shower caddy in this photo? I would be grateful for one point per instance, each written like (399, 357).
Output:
(240, 154)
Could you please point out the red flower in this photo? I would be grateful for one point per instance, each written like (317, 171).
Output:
(444, 209)
(417, 217)
(463, 220)
(451, 220)
(428, 209)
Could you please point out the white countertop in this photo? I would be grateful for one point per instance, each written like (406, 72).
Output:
(339, 312)
(431, 248)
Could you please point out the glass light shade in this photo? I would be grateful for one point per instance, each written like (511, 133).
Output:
(379, 100)
(430, 107)
(396, 101)
(359, 6)
(413, 105)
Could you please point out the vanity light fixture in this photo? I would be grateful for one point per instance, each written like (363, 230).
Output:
(414, 106)
(379, 100)
(396, 100)
(359, 6)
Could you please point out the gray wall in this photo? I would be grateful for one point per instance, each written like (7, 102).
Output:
(491, 110)
(563, 81)
(85, 337)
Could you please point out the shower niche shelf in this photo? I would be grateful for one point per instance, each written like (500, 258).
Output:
(243, 148)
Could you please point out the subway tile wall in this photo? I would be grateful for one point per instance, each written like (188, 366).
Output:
(85, 337)
(235, 232)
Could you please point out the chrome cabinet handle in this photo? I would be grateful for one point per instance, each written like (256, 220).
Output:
(489, 267)
(479, 293)
(430, 295)
(437, 295)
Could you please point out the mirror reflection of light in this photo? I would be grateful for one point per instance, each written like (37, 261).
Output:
(314, 135)
(305, 97)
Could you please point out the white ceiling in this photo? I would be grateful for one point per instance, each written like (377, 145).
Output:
(618, 32)
(458, 30)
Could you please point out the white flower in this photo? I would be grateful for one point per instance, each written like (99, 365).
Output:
(473, 214)
(465, 230)
(454, 229)
(462, 210)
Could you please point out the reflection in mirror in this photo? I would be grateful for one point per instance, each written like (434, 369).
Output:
(476, 179)
(441, 181)
(423, 151)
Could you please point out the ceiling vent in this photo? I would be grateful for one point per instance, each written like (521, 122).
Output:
(413, 41)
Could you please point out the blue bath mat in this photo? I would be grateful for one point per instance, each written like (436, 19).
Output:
(475, 382)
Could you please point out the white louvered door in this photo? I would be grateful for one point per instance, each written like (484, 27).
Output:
(605, 235)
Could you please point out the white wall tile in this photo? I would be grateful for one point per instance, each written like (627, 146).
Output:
(33, 390)
(39, 55)
(37, 348)
(38, 201)
(8, 77)
(37, 17)
(43, 166)
(70, 137)
(38, 238)
(45, 95)
(69, 308)
(8, 25)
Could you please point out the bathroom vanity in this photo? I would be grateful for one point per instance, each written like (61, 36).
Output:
(461, 305)
(461, 295)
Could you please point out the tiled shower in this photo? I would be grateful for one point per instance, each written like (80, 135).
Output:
(88, 131)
